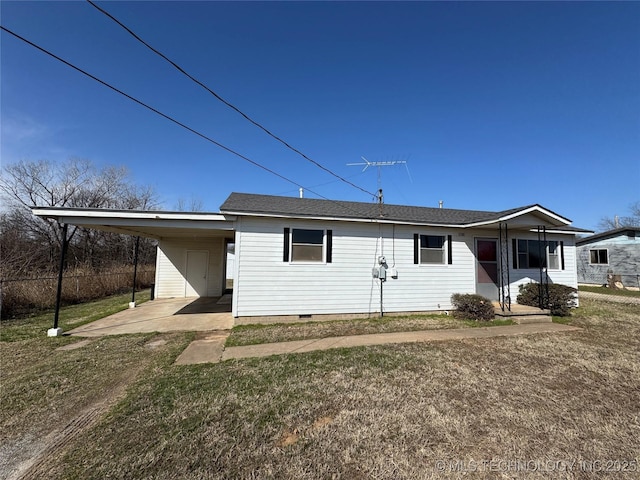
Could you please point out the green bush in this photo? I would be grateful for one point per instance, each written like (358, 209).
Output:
(472, 306)
(561, 298)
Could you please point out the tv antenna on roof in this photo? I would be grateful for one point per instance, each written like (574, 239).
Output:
(388, 163)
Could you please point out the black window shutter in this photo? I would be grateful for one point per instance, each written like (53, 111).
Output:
(449, 250)
(515, 253)
(329, 245)
(285, 250)
(416, 243)
(562, 255)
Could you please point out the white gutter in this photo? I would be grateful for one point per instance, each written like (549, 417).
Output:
(558, 218)
(128, 214)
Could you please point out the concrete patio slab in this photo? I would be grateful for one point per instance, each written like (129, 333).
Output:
(162, 315)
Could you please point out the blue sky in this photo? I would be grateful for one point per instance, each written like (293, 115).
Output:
(493, 105)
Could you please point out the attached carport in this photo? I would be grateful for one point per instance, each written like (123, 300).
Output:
(191, 258)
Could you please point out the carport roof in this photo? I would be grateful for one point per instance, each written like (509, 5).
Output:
(151, 224)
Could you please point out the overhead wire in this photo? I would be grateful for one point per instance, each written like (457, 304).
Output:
(227, 103)
(168, 117)
(321, 185)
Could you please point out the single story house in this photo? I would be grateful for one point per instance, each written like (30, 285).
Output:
(614, 253)
(304, 258)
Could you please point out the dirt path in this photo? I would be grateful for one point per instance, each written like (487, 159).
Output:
(49, 450)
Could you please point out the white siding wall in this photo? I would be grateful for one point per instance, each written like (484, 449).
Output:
(171, 265)
(266, 285)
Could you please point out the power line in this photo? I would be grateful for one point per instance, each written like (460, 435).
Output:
(321, 184)
(167, 117)
(228, 104)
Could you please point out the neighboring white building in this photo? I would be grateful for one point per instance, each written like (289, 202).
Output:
(300, 257)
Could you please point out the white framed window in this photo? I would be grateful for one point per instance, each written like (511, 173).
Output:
(307, 245)
(599, 256)
(553, 255)
(304, 245)
(534, 254)
(432, 249)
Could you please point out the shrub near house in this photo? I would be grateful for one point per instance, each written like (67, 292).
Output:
(561, 298)
(472, 307)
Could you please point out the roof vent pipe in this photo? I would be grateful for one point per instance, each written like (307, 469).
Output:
(301, 192)
(440, 203)
(616, 220)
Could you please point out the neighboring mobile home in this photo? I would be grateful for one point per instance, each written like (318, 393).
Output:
(303, 258)
(614, 254)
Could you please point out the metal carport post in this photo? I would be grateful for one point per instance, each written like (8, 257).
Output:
(55, 331)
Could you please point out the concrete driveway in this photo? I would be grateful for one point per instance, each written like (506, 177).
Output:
(164, 315)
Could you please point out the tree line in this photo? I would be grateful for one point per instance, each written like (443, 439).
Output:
(30, 246)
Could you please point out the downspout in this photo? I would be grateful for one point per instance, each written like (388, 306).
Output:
(56, 331)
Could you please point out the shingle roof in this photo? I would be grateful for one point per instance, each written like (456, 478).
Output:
(628, 231)
(245, 203)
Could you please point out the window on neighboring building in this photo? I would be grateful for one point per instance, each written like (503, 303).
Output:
(534, 254)
(599, 256)
(432, 249)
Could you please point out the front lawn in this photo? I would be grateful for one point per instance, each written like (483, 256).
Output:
(395, 411)
(281, 332)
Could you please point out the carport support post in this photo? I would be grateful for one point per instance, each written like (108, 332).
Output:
(132, 304)
(55, 331)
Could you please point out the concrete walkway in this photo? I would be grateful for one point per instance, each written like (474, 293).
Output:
(214, 351)
(206, 350)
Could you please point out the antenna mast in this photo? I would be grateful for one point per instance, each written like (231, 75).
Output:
(389, 163)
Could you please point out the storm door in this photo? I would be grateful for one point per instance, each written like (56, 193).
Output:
(487, 267)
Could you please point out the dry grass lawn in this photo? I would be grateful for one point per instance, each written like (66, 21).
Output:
(271, 333)
(524, 407)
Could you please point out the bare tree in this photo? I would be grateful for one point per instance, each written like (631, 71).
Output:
(632, 220)
(30, 243)
(193, 205)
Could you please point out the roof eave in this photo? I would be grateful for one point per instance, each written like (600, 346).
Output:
(55, 212)
(344, 219)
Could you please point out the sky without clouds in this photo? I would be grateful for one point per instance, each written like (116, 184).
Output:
(493, 105)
